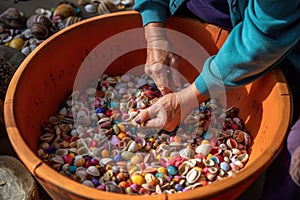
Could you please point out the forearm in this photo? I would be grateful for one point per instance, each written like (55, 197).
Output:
(267, 33)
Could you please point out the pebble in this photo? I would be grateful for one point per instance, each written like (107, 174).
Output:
(114, 152)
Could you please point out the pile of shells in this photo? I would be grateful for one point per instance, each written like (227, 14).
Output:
(93, 140)
(24, 33)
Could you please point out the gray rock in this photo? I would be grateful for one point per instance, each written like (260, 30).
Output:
(16, 182)
(10, 59)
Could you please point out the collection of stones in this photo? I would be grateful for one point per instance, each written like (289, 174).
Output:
(94, 140)
(26, 33)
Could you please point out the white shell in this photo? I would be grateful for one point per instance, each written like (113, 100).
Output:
(193, 175)
(90, 8)
(204, 149)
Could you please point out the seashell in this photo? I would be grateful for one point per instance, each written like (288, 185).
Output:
(208, 162)
(163, 147)
(185, 167)
(63, 11)
(132, 146)
(216, 159)
(68, 22)
(58, 159)
(243, 157)
(137, 158)
(203, 149)
(210, 176)
(106, 161)
(127, 2)
(88, 183)
(17, 43)
(223, 146)
(239, 164)
(187, 153)
(90, 8)
(114, 140)
(193, 175)
(39, 19)
(13, 18)
(111, 186)
(213, 170)
(61, 152)
(47, 137)
(126, 155)
(149, 157)
(231, 143)
(44, 145)
(79, 162)
(234, 167)
(83, 151)
(216, 151)
(158, 189)
(227, 153)
(148, 187)
(224, 166)
(39, 26)
(165, 137)
(247, 139)
(238, 136)
(93, 170)
(140, 141)
(193, 186)
(236, 151)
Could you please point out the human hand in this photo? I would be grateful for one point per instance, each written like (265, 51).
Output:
(170, 109)
(161, 65)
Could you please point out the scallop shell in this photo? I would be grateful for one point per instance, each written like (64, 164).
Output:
(88, 183)
(83, 151)
(106, 161)
(93, 170)
(58, 159)
(111, 186)
(187, 153)
(193, 175)
(61, 152)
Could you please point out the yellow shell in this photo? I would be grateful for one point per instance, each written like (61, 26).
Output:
(16, 43)
(138, 179)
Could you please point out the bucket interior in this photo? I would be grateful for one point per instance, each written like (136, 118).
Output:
(47, 76)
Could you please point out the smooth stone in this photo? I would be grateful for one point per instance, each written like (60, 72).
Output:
(16, 182)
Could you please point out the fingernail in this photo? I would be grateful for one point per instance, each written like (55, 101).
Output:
(138, 120)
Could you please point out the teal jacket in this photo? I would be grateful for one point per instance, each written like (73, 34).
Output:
(264, 33)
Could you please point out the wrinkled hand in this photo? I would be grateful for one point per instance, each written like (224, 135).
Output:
(170, 109)
(161, 65)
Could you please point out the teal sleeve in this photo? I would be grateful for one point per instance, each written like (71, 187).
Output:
(152, 11)
(269, 31)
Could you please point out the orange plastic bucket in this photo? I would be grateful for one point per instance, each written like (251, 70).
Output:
(47, 75)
